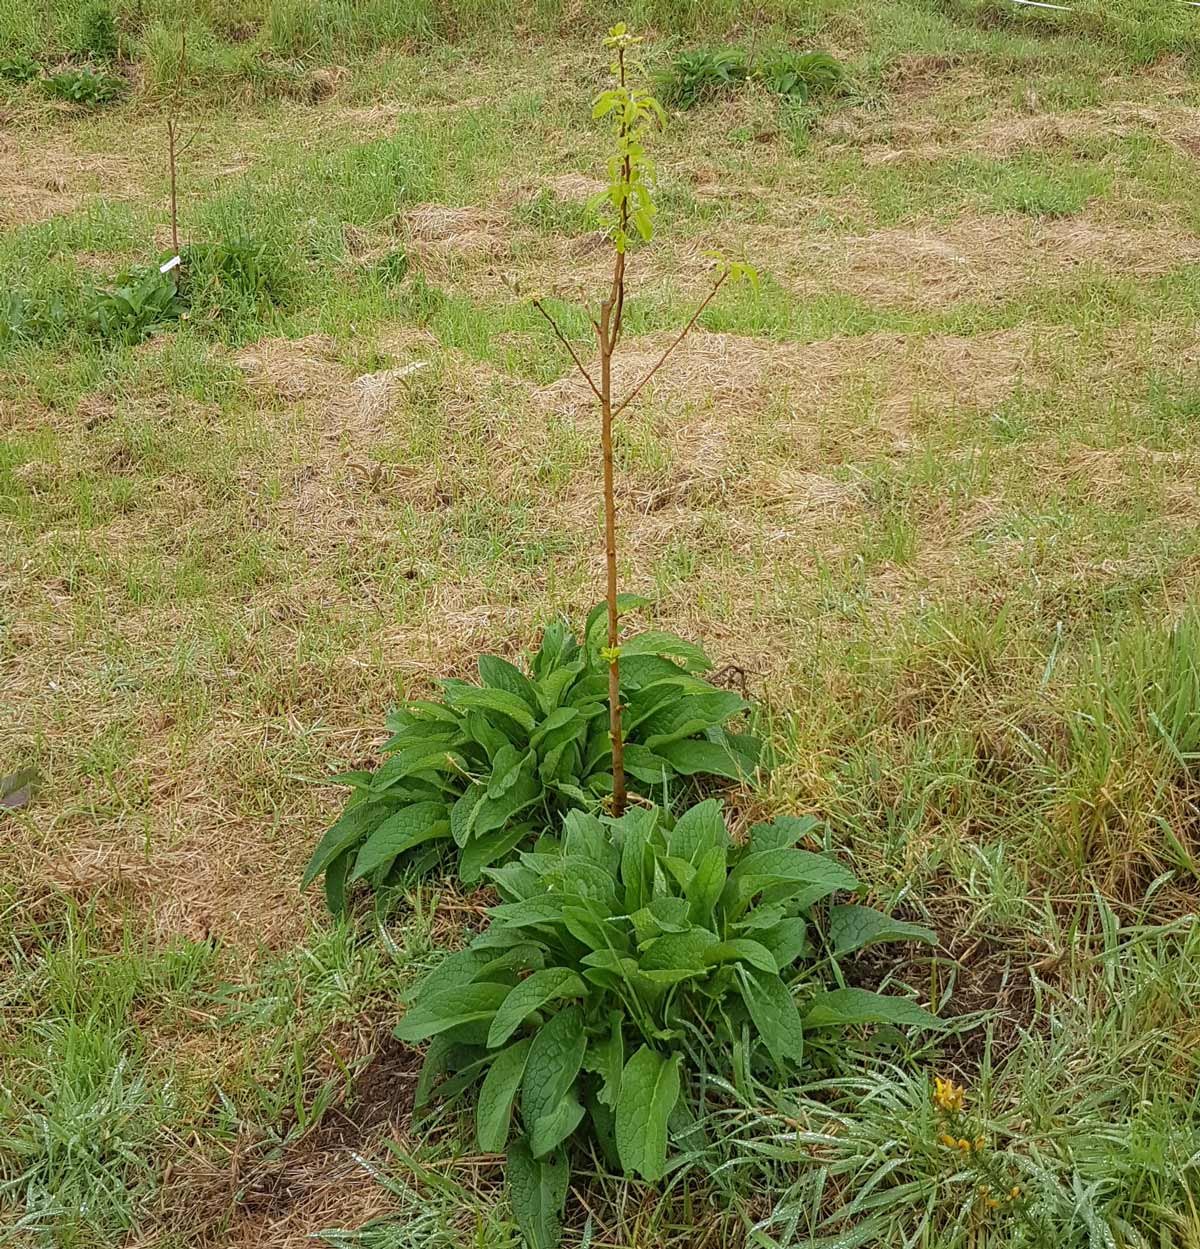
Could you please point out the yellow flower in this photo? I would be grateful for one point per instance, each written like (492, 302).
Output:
(1014, 1192)
(980, 1142)
(948, 1096)
(965, 1145)
(948, 1140)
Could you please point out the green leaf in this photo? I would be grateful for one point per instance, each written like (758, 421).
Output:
(644, 765)
(700, 758)
(786, 940)
(553, 1128)
(335, 882)
(479, 852)
(532, 994)
(595, 630)
(497, 1095)
(655, 642)
(561, 725)
(482, 698)
(775, 1016)
(537, 1190)
(846, 1007)
(637, 861)
(783, 833)
(410, 826)
(499, 674)
(648, 1093)
(506, 767)
(462, 814)
(856, 927)
(496, 812)
(471, 1003)
(683, 951)
(809, 876)
(698, 829)
(743, 950)
(354, 824)
(686, 716)
(606, 1058)
(555, 1058)
(706, 886)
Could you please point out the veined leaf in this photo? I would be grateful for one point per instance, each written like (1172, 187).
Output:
(595, 629)
(335, 882)
(555, 1058)
(680, 951)
(357, 821)
(706, 886)
(786, 940)
(506, 767)
(499, 674)
(606, 1058)
(698, 829)
(497, 1095)
(480, 852)
(656, 642)
(470, 1003)
(775, 1016)
(549, 985)
(648, 1093)
(482, 698)
(856, 927)
(462, 814)
(702, 758)
(783, 833)
(743, 950)
(495, 812)
(686, 716)
(847, 1007)
(814, 876)
(410, 826)
(555, 1126)
(537, 1189)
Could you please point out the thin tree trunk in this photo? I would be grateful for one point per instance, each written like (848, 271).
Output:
(174, 203)
(606, 335)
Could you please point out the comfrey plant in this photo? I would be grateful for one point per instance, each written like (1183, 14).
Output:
(622, 958)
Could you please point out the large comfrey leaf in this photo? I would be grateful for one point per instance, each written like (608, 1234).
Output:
(614, 947)
(507, 757)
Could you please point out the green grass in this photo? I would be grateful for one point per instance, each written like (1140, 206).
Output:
(932, 488)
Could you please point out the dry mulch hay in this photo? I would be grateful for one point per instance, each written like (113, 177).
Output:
(43, 180)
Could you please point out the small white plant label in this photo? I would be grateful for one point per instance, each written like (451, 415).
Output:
(170, 264)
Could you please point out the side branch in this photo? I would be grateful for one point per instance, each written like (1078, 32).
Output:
(683, 333)
(537, 303)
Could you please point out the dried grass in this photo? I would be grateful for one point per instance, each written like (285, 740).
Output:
(44, 179)
(980, 258)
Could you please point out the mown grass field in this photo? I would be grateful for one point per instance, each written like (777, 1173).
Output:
(933, 490)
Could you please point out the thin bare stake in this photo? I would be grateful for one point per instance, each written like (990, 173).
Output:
(171, 136)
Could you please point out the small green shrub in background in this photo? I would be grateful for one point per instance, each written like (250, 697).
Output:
(701, 75)
(799, 75)
(142, 300)
(494, 764)
(95, 35)
(84, 85)
(695, 77)
(623, 960)
(19, 67)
